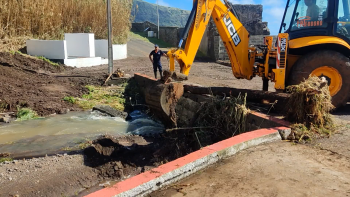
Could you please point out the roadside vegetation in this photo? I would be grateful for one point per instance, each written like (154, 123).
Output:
(41, 19)
(2, 160)
(112, 96)
(47, 60)
(34, 57)
(26, 114)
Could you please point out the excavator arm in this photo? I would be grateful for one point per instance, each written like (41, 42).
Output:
(233, 34)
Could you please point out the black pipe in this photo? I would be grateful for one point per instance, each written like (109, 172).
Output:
(284, 16)
(188, 24)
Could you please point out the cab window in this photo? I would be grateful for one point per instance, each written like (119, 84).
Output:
(343, 24)
(310, 14)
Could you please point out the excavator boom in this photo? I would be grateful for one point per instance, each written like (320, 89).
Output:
(233, 34)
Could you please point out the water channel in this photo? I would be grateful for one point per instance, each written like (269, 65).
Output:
(48, 135)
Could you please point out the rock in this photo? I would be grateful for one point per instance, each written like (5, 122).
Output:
(63, 111)
(284, 133)
(119, 164)
(119, 173)
(110, 111)
(10, 178)
(5, 119)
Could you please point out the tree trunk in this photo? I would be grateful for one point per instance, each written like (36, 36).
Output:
(256, 96)
(161, 98)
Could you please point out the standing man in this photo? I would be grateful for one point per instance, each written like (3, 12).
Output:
(156, 53)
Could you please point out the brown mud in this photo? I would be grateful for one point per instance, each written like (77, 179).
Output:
(30, 82)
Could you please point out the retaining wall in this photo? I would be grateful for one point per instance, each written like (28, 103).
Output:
(101, 50)
(51, 49)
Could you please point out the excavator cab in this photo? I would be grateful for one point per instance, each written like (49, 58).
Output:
(319, 44)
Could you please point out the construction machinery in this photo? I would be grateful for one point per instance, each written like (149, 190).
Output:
(313, 39)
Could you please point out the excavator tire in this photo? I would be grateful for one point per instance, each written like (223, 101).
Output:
(334, 66)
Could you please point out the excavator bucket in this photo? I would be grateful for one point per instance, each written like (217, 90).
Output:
(161, 96)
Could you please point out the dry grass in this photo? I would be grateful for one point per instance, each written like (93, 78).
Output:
(43, 19)
(309, 107)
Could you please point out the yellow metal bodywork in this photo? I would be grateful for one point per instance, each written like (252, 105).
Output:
(281, 65)
(316, 40)
(236, 40)
(336, 79)
(233, 34)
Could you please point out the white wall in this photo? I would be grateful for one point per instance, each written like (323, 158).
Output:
(51, 49)
(80, 44)
(83, 62)
(101, 50)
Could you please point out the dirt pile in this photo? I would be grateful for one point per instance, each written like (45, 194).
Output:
(33, 83)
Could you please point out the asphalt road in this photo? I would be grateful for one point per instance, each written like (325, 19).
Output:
(139, 48)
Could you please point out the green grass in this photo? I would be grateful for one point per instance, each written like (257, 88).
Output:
(70, 99)
(2, 160)
(112, 96)
(47, 60)
(143, 36)
(26, 114)
(14, 52)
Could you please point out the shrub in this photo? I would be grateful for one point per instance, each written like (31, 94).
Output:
(26, 114)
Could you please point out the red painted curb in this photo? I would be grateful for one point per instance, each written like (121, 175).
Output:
(271, 118)
(168, 167)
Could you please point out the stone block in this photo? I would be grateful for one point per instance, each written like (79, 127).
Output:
(285, 133)
(80, 44)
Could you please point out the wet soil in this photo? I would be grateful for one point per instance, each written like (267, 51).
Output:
(29, 82)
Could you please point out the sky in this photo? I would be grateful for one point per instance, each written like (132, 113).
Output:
(272, 9)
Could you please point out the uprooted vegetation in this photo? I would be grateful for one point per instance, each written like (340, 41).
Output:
(41, 19)
(309, 108)
(221, 119)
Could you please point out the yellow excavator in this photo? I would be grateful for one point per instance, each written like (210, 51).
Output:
(313, 39)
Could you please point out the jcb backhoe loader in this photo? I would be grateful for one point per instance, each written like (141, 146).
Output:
(313, 39)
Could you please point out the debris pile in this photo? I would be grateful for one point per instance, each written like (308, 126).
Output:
(221, 119)
(310, 104)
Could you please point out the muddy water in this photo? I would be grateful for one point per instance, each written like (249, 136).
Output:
(64, 132)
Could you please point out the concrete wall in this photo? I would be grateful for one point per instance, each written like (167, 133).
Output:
(203, 47)
(80, 44)
(251, 18)
(170, 35)
(51, 49)
(101, 50)
(218, 51)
